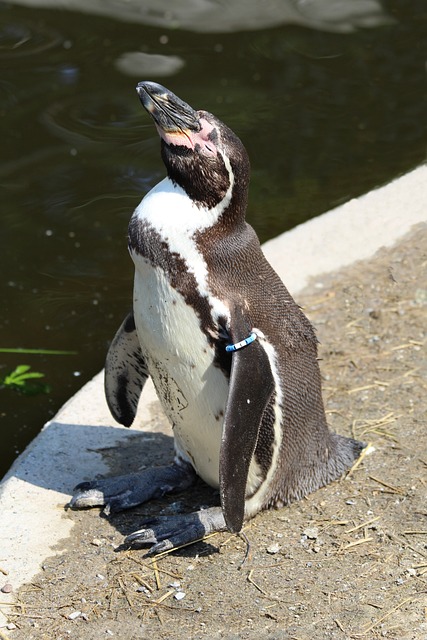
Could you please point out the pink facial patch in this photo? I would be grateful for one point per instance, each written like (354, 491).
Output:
(189, 139)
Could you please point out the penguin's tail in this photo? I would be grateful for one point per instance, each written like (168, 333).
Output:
(343, 454)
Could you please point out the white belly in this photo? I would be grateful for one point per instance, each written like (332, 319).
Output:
(192, 391)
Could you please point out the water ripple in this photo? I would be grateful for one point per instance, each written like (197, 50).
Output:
(92, 118)
(23, 39)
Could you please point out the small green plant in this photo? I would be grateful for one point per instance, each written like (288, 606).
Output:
(24, 380)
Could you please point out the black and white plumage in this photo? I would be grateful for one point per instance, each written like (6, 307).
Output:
(250, 422)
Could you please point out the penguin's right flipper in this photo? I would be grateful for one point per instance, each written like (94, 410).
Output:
(125, 373)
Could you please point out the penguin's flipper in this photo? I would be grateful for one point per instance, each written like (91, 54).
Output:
(125, 373)
(251, 387)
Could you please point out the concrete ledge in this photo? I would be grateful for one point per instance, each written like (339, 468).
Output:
(68, 450)
(353, 231)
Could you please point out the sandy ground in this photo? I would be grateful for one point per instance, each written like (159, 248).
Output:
(349, 561)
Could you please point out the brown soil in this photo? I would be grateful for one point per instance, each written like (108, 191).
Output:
(350, 561)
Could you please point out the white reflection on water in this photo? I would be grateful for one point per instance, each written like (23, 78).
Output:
(137, 64)
(211, 16)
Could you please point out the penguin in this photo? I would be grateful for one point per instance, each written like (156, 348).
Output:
(232, 357)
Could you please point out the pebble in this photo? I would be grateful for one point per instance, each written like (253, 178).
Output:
(311, 532)
(175, 584)
(7, 588)
(179, 596)
(273, 548)
(143, 589)
(11, 626)
(96, 542)
(74, 615)
(421, 296)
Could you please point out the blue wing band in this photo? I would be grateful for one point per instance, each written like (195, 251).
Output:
(242, 343)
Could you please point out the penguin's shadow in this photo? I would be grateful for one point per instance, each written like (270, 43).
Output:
(65, 454)
(145, 450)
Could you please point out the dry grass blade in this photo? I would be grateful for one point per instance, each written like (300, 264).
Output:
(364, 388)
(404, 543)
(164, 596)
(407, 345)
(356, 543)
(377, 426)
(387, 614)
(415, 532)
(388, 486)
(125, 592)
(364, 524)
(33, 615)
(366, 451)
(182, 546)
(142, 582)
(149, 564)
(156, 574)
(249, 579)
(339, 625)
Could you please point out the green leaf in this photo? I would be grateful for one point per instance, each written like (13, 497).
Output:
(46, 352)
(20, 377)
(20, 369)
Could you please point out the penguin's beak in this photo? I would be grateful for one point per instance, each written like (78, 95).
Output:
(171, 114)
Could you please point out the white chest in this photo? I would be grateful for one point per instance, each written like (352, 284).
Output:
(192, 390)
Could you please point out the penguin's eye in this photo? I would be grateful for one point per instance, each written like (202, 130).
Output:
(209, 149)
(206, 148)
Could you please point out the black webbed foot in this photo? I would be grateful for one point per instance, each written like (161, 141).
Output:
(171, 532)
(123, 492)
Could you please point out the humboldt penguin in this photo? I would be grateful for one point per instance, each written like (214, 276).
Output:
(232, 357)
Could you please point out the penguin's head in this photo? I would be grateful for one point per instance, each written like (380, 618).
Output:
(202, 155)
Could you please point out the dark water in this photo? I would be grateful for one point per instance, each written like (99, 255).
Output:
(325, 117)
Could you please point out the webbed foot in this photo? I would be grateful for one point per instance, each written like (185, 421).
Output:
(123, 492)
(171, 532)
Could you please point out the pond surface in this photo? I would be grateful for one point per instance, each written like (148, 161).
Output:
(328, 108)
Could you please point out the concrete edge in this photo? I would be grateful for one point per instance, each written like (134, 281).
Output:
(353, 231)
(36, 488)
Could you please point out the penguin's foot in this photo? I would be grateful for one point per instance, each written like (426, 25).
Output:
(123, 492)
(171, 532)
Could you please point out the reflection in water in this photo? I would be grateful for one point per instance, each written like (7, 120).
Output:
(18, 39)
(139, 64)
(324, 117)
(97, 118)
(211, 16)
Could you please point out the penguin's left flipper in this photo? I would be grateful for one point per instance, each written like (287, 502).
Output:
(171, 532)
(125, 373)
(250, 390)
